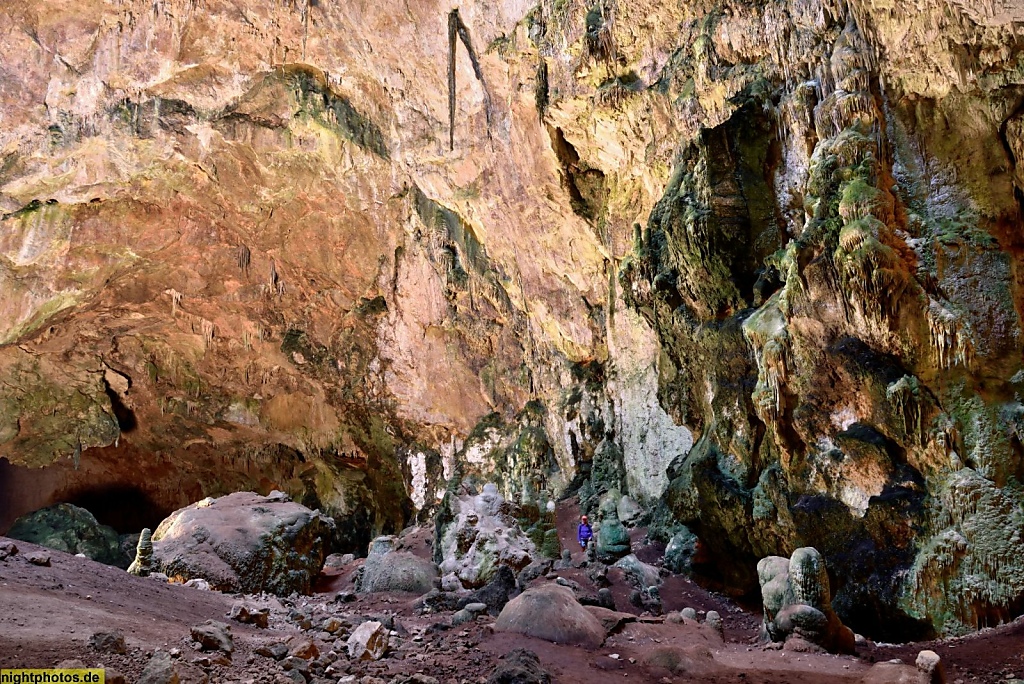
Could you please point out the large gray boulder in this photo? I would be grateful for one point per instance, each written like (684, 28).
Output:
(797, 601)
(639, 573)
(244, 542)
(73, 530)
(551, 612)
(388, 570)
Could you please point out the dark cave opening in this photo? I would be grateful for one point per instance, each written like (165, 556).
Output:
(125, 508)
(126, 419)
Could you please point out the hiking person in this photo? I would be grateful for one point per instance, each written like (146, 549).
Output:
(585, 533)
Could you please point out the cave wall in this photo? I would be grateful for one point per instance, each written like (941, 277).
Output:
(764, 253)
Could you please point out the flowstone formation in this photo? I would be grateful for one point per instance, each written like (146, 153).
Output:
(475, 536)
(798, 602)
(831, 275)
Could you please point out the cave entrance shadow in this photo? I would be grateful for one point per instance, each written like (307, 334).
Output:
(126, 420)
(123, 507)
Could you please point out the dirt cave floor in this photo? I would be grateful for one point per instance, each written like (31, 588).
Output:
(48, 614)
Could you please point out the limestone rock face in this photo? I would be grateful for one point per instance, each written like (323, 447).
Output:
(754, 265)
(244, 542)
(70, 529)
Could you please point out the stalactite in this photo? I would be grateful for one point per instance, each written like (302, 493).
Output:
(175, 301)
(276, 284)
(244, 258)
(453, 29)
(950, 337)
(458, 30)
(904, 394)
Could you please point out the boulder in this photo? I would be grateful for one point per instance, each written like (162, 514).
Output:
(303, 647)
(461, 617)
(715, 622)
(797, 602)
(40, 558)
(894, 672)
(639, 573)
(277, 651)
(108, 642)
(437, 601)
(73, 530)
(495, 594)
(611, 619)
(369, 641)
(551, 612)
(388, 570)
(603, 599)
(213, 636)
(930, 665)
(336, 560)
(519, 667)
(249, 615)
(244, 542)
(693, 660)
(162, 669)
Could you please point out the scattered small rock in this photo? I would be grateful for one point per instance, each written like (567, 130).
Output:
(242, 612)
(332, 625)
(301, 647)
(295, 663)
(198, 583)
(345, 597)
(714, 620)
(159, 670)
(461, 617)
(213, 636)
(39, 558)
(688, 614)
(520, 667)
(276, 651)
(108, 642)
(929, 663)
(7, 549)
(369, 641)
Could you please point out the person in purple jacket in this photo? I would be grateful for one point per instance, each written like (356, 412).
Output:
(584, 533)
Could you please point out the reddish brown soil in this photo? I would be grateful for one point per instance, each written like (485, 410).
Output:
(47, 614)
